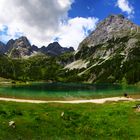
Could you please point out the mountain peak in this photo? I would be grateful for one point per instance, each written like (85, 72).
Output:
(54, 45)
(19, 48)
(116, 16)
(113, 19)
(55, 49)
(22, 42)
(113, 26)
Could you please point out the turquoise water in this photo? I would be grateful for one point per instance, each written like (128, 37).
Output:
(66, 90)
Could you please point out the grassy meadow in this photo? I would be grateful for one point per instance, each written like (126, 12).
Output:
(109, 121)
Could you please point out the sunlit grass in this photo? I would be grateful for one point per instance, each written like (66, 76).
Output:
(69, 121)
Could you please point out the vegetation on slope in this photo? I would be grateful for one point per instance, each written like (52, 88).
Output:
(112, 62)
(34, 68)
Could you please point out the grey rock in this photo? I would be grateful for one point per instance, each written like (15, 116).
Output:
(34, 48)
(112, 27)
(9, 45)
(20, 48)
(2, 48)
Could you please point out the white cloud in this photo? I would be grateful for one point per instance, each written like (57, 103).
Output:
(75, 30)
(125, 6)
(37, 19)
(42, 20)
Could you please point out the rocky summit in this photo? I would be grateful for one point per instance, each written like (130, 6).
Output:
(114, 26)
(19, 48)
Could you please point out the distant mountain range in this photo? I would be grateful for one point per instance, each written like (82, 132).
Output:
(21, 48)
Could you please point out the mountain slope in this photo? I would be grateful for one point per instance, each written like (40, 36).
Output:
(111, 52)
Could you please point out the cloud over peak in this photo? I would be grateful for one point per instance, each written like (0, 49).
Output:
(125, 6)
(75, 30)
(41, 21)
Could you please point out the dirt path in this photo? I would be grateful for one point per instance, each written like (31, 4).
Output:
(98, 101)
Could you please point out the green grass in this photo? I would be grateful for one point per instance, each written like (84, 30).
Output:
(109, 121)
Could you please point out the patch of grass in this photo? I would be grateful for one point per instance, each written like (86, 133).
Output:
(69, 121)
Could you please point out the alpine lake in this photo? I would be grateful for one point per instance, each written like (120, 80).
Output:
(66, 91)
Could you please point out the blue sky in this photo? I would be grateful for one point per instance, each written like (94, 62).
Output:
(67, 21)
(102, 8)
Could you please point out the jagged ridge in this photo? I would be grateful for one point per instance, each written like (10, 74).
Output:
(21, 48)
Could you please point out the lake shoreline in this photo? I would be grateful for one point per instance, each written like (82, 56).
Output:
(66, 91)
(97, 101)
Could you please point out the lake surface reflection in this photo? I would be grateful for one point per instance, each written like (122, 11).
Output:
(66, 90)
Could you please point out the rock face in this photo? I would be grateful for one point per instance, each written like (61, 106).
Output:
(111, 52)
(10, 44)
(114, 35)
(114, 26)
(2, 48)
(19, 48)
(54, 49)
(34, 48)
